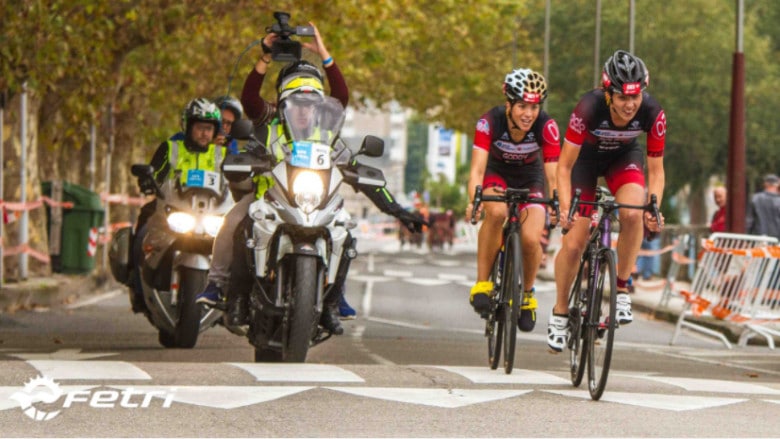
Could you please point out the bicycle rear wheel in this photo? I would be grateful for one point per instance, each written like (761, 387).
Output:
(578, 355)
(510, 297)
(602, 323)
(494, 324)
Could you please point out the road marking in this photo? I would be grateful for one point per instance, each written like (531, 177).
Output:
(396, 273)
(453, 277)
(220, 397)
(88, 370)
(399, 323)
(63, 354)
(484, 375)
(652, 400)
(6, 391)
(305, 372)
(93, 300)
(427, 282)
(445, 398)
(357, 335)
(715, 386)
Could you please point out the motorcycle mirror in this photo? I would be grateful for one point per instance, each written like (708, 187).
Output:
(372, 146)
(142, 170)
(242, 129)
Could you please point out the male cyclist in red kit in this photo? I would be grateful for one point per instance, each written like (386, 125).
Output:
(515, 145)
(601, 140)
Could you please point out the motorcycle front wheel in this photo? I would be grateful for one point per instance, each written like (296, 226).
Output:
(191, 283)
(306, 278)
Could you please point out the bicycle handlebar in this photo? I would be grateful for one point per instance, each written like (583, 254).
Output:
(513, 196)
(652, 206)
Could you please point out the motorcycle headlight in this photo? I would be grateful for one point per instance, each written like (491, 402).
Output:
(181, 222)
(308, 190)
(212, 224)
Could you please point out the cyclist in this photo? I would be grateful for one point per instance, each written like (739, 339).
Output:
(601, 140)
(507, 145)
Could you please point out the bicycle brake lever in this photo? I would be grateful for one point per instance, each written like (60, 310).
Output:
(477, 202)
(575, 204)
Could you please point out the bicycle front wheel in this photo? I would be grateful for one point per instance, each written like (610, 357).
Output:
(578, 355)
(602, 323)
(494, 325)
(510, 297)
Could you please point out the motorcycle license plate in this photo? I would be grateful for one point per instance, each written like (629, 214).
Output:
(204, 179)
(310, 155)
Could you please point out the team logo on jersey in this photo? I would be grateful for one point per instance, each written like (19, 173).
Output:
(634, 125)
(660, 125)
(483, 126)
(552, 130)
(576, 124)
(632, 167)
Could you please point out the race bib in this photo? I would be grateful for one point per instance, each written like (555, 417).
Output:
(204, 179)
(310, 155)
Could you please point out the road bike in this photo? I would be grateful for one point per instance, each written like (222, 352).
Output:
(592, 298)
(507, 274)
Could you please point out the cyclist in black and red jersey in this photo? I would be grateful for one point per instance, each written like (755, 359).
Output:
(511, 143)
(601, 140)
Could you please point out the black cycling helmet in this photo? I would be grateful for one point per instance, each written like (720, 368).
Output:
(296, 69)
(200, 110)
(625, 73)
(525, 85)
(230, 103)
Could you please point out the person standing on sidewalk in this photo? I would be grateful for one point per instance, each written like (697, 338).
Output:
(763, 216)
(718, 223)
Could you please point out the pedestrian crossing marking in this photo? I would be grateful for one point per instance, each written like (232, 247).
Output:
(444, 398)
(677, 403)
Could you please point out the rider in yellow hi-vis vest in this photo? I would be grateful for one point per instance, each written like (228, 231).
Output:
(192, 149)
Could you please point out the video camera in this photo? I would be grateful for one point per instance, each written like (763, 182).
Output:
(284, 49)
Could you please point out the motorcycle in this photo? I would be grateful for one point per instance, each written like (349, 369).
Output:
(292, 251)
(176, 252)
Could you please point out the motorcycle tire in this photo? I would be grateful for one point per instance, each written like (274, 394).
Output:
(303, 319)
(191, 283)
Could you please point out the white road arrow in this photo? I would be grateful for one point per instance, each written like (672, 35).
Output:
(446, 398)
(221, 397)
(63, 354)
(655, 401)
(483, 375)
(320, 373)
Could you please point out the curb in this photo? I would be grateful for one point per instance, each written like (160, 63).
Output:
(57, 290)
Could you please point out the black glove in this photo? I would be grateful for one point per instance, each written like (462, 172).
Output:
(413, 221)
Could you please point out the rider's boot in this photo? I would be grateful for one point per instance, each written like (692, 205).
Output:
(329, 319)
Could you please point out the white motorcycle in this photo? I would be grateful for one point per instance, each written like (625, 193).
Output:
(176, 252)
(293, 250)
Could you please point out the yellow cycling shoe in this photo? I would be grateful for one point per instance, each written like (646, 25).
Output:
(527, 319)
(480, 297)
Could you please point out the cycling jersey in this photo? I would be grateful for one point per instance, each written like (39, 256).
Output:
(517, 164)
(610, 151)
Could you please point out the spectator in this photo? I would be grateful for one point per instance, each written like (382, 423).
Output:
(763, 216)
(718, 223)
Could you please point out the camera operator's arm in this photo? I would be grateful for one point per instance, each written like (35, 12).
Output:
(338, 88)
(256, 108)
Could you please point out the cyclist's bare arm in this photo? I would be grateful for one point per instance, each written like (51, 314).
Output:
(479, 159)
(569, 154)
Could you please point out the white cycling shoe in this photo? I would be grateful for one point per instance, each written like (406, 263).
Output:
(557, 332)
(623, 308)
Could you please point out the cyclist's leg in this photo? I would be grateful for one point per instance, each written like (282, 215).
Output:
(488, 244)
(628, 187)
(584, 176)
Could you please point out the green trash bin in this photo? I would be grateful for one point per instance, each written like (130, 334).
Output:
(87, 213)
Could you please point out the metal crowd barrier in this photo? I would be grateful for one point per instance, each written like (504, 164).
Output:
(730, 282)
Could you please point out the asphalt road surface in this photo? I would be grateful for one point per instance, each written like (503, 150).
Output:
(413, 364)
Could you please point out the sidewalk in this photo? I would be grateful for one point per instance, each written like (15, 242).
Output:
(57, 290)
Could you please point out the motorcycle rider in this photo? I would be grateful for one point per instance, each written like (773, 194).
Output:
(300, 86)
(191, 149)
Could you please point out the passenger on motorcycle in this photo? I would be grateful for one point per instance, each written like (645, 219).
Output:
(299, 89)
(191, 149)
(231, 110)
(515, 145)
